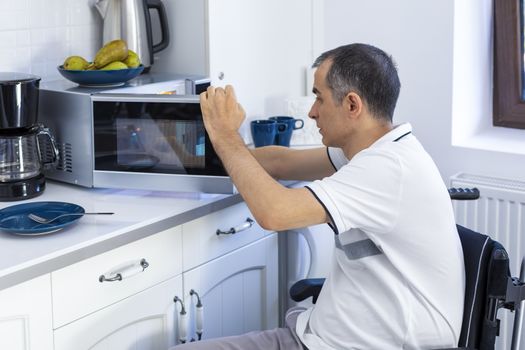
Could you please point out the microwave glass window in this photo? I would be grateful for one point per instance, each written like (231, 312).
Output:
(170, 144)
(153, 137)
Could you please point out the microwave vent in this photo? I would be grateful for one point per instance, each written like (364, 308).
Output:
(64, 157)
(64, 161)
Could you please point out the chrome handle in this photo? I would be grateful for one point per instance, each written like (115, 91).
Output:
(54, 148)
(244, 226)
(199, 315)
(117, 277)
(124, 271)
(183, 321)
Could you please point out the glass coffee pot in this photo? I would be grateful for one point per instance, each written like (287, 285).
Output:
(20, 153)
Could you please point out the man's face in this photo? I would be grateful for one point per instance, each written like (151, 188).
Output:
(325, 111)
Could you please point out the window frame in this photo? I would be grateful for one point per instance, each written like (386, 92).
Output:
(508, 102)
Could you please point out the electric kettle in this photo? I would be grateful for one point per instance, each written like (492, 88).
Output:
(130, 21)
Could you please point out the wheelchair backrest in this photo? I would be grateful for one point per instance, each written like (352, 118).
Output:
(477, 250)
(485, 277)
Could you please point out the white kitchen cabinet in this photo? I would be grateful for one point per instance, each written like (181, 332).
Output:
(25, 315)
(239, 291)
(262, 47)
(144, 321)
(236, 277)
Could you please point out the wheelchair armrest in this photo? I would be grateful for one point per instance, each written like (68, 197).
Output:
(310, 287)
(515, 293)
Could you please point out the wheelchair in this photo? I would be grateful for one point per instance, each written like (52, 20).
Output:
(489, 287)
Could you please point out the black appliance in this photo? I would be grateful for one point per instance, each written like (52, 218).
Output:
(21, 136)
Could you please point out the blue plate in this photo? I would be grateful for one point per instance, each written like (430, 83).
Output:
(14, 219)
(100, 78)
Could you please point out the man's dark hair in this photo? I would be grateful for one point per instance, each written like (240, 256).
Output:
(367, 71)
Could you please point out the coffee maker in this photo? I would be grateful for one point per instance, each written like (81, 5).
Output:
(22, 138)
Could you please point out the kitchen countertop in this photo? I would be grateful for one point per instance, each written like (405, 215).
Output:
(138, 214)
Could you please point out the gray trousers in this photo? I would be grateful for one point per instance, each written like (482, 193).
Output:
(274, 339)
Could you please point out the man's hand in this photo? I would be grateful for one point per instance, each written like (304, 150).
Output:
(221, 112)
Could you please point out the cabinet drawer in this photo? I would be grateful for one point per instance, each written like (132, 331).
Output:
(77, 290)
(202, 243)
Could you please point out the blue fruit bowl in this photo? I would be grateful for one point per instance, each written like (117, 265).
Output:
(100, 78)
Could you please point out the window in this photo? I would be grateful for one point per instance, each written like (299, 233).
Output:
(509, 87)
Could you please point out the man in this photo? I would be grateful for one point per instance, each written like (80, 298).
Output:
(397, 278)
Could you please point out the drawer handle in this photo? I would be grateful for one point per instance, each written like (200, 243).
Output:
(199, 315)
(183, 320)
(244, 226)
(124, 271)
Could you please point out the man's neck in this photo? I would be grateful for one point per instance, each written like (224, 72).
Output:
(365, 136)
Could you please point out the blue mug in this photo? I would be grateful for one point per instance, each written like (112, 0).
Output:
(264, 131)
(283, 139)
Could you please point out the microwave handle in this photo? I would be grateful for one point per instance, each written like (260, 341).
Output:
(195, 87)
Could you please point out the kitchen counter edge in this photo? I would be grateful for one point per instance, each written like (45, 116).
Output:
(55, 263)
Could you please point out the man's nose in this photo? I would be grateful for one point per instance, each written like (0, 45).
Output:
(312, 114)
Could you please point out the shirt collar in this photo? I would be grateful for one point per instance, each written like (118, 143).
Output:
(396, 133)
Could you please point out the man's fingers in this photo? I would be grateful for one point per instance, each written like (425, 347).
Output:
(229, 90)
(210, 91)
(239, 106)
(203, 96)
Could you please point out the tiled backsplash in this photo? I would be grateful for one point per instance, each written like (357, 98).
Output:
(37, 35)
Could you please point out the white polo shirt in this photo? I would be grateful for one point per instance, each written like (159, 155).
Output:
(397, 277)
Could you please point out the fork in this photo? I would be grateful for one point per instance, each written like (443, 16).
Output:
(42, 220)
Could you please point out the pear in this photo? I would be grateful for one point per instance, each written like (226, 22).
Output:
(114, 66)
(133, 60)
(116, 50)
(75, 63)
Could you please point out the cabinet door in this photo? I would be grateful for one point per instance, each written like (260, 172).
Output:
(263, 48)
(239, 291)
(25, 316)
(145, 321)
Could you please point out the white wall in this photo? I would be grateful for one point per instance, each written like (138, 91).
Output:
(37, 35)
(445, 69)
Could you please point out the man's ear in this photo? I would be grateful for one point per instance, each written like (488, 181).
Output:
(353, 104)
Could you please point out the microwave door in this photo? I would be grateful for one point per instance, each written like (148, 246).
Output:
(161, 136)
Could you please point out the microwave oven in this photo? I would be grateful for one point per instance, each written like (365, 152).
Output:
(148, 135)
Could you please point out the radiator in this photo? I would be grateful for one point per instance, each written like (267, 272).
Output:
(498, 213)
